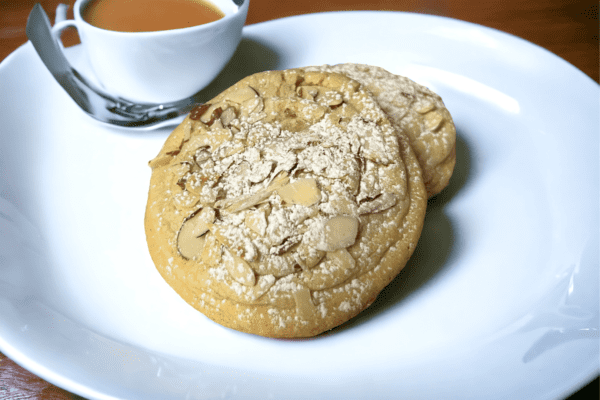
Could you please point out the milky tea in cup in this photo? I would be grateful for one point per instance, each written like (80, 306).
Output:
(157, 51)
(148, 16)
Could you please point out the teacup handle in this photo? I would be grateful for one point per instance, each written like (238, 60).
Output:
(61, 26)
(61, 23)
(61, 13)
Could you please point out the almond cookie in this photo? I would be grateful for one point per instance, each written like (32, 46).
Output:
(283, 206)
(416, 111)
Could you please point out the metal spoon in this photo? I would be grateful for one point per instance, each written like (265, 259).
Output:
(89, 98)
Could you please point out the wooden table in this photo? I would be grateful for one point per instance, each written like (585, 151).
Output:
(566, 28)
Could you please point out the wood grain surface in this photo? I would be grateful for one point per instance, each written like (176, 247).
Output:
(566, 28)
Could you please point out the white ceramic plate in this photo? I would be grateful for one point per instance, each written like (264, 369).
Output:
(500, 300)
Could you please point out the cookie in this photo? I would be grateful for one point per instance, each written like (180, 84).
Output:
(417, 112)
(283, 206)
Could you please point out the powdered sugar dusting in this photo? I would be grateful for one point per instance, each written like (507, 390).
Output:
(274, 241)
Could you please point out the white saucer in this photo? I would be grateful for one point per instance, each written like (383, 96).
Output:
(500, 300)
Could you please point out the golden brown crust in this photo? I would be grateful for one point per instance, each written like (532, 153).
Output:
(286, 215)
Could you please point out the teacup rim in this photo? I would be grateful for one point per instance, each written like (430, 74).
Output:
(78, 17)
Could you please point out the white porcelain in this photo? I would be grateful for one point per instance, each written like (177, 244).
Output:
(162, 66)
(500, 300)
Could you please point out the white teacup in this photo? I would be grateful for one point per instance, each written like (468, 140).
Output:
(159, 66)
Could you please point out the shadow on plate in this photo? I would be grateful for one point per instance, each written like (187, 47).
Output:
(432, 252)
(249, 58)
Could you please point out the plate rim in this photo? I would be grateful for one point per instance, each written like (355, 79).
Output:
(40, 370)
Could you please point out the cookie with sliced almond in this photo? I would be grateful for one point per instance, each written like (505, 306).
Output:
(417, 112)
(284, 205)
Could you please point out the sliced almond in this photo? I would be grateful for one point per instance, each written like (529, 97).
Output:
(301, 215)
(212, 139)
(242, 169)
(287, 243)
(207, 114)
(237, 244)
(340, 203)
(305, 308)
(343, 258)
(187, 130)
(195, 143)
(252, 106)
(217, 126)
(379, 204)
(206, 217)
(218, 137)
(279, 266)
(307, 92)
(330, 98)
(266, 208)
(256, 116)
(260, 171)
(198, 111)
(433, 120)
(369, 182)
(184, 200)
(214, 112)
(315, 114)
(242, 94)
(339, 232)
(285, 165)
(209, 194)
(212, 250)
(252, 155)
(179, 170)
(190, 247)
(307, 256)
(352, 182)
(256, 221)
(304, 192)
(280, 179)
(239, 269)
(190, 242)
(229, 149)
(202, 155)
(374, 147)
(263, 284)
(302, 93)
(252, 294)
(235, 291)
(160, 160)
(424, 107)
(194, 183)
(227, 116)
(337, 267)
(279, 228)
(244, 202)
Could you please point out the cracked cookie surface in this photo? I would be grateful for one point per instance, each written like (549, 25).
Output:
(417, 112)
(283, 206)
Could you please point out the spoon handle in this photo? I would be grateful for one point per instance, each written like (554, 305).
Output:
(90, 99)
(38, 32)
